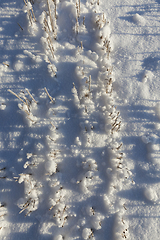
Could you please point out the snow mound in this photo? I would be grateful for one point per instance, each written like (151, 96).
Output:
(150, 194)
(138, 19)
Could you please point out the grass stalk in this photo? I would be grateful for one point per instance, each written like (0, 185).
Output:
(25, 2)
(30, 16)
(20, 26)
(31, 12)
(17, 96)
(6, 64)
(89, 87)
(49, 95)
(33, 15)
(49, 10)
(46, 26)
(50, 45)
(79, 7)
(55, 8)
(31, 96)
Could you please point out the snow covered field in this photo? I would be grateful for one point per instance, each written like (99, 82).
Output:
(79, 119)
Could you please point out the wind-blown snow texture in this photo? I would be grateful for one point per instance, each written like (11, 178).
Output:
(79, 119)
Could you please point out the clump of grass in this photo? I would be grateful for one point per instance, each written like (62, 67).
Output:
(32, 193)
(51, 21)
(49, 31)
(30, 11)
(26, 104)
(59, 208)
(52, 18)
(78, 8)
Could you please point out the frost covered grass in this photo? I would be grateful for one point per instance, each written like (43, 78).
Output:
(89, 95)
(79, 134)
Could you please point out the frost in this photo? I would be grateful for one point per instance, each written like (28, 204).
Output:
(2, 106)
(31, 55)
(51, 167)
(90, 164)
(86, 233)
(29, 155)
(120, 228)
(32, 193)
(27, 7)
(41, 17)
(3, 214)
(19, 65)
(106, 31)
(58, 237)
(148, 75)
(76, 98)
(93, 55)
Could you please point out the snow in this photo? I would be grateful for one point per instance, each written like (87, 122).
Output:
(138, 19)
(87, 233)
(79, 119)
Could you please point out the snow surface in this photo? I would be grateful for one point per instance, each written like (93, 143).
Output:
(79, 119)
